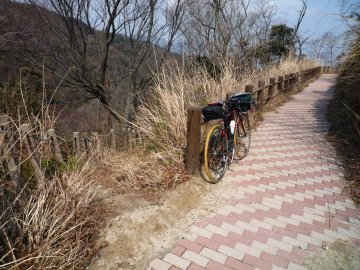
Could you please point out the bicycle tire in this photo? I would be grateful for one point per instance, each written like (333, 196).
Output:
(242, 137)
(215, 157)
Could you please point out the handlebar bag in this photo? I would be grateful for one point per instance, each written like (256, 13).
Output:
(244, 99)
(212, 112)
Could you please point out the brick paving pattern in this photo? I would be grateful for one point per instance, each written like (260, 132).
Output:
(290, 200)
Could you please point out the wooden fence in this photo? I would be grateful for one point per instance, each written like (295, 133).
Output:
(261, 95)
(19, 144)
(23, 143)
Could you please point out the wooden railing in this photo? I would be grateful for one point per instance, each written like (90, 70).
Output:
(261, 95)
(22, 144)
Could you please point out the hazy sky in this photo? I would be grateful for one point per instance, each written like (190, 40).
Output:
(321, 15)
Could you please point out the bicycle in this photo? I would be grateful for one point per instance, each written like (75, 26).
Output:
(229, 140)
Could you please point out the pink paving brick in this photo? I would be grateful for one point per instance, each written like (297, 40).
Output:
(195, 267)
(303, 228)
(255, 236)
(207, 243)
(256, 262)
(348, 213)
(178, 250)
(240, 238)
(212, 265)
(292, 198)
(213, 221)
(227, 219)
(223, 240)
(271, 259)
(236, 264)
(201, 224)
(187, 244)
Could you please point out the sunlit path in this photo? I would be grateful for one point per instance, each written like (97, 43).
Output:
(289, 199)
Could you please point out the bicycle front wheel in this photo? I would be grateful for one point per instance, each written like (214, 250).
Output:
(242, 136)
(215, 154)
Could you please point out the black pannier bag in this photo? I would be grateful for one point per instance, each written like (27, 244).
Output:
(245, 100)
(213, 111)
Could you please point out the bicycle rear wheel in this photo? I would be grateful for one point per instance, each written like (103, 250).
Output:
(215, 154)
(242, 136)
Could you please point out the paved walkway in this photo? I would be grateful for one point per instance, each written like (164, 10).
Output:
(291, 201)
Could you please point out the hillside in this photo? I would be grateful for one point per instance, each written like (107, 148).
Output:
(28, 39)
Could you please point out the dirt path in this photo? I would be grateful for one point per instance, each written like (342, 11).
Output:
(140, 232)
(280, 205)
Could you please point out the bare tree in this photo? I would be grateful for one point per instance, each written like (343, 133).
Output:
(228, 29)
(325, 48)
(107, 48)
(302, 13)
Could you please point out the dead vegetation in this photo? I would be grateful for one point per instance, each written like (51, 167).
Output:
(54, 226)
(344, 115)
(164, 118)
(47, 221)
(55, 223)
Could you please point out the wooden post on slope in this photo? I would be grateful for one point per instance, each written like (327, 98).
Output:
(271, 88)
(260, 97)
(280, 84)
(250, 89)
(77, 144)
(96, 142)
(28, 139)
(54, 141)
(286, 84)
(192, 160)
(113, 139)
(11, 156)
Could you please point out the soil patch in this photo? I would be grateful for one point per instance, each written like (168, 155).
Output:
(339, 255)
(141, 230)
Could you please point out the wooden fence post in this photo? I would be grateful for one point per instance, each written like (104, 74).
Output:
(86, 145)
(11, 157)
(292, 80)
(28, 139)
(129, 137)
(260, 96)
(287, 82)
(77, 146)
(56, 146)
(249, 88)
(280, 84)
(96, 143)
(192, 161)
(271, 88)
(138, 135)
(113, 139)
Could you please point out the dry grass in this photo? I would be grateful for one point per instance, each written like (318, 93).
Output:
(347, 143)
(138, 169)
(54, 227)
(163, 119)
(344, 115)
(50, 223)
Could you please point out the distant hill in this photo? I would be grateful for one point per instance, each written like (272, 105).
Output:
(21, 31)
(26, 40)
